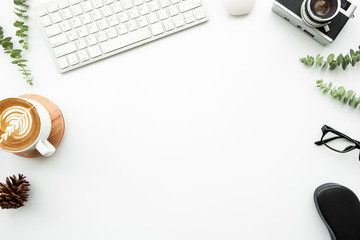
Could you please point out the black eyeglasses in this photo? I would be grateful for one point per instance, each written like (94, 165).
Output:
(337, 141)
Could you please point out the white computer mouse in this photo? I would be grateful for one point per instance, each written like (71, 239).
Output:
(239, 7)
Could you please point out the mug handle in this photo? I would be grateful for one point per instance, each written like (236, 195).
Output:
(45, 148)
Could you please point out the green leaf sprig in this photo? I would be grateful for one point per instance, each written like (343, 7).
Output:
(339, 93)
(16, 55)
(21, 12)
(333, 62)
(21, 7)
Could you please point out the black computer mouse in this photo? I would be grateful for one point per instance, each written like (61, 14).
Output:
(339, 208)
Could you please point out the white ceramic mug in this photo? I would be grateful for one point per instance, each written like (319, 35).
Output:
(38, 142)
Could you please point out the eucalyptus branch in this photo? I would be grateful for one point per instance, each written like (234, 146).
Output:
(339, 93)
(341, 60)
(21, 12)
(16, 55)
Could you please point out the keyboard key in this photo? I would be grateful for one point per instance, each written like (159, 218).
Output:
(85, 18)
(91, 40)
(72, 35)
(102, 24)
(75, 22)
(164, 3)
(81, 43)
(96, 14)
(98, 3)
(157, 28)
(144, 9)
(94, 51)
(173, 11)
(111, 32)
(179, 22)
(73, 59)
(82, 31)
(87, 6)
(113, 21)
(58, 40)
(63, 63)
(125, 40)
(122, 29)
(190, 19)
(65, 26)
(76, 9)
(92, 27)
(106, 11)
(123, 17)
(66, 13)
(45, 20)
(188, 5)
(142, 22)
(73, 2)
(127, 4)
(188, 14)
(168, 24)
(116, 7)
(108, 1)
(154, 6)
(83, 55)
(53, 8)
(64, 4)
(52, 30)
(200, 15)
(163, 14)
(134, 13)
(152, 18)
(42, 12)
(65, 49)
(138, 2)
(132, 26)
(101, 36)
(56, 17)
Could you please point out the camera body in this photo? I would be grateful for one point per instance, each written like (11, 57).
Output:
(323, 25)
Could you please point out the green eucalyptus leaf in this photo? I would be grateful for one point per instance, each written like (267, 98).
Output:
(352, 102)
(333, 65)
(330, 58)
(352, 53)
(344, 65)
(18, 23)
(7, 39)
(334, 92)
(340, 59)
(7, 45)
(353, 62)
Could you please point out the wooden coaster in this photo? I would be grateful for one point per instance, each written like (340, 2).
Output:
(57, 124)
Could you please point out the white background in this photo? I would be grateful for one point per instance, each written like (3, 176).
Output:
(206, 134)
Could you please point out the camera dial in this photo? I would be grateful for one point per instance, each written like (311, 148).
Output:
(319, 13)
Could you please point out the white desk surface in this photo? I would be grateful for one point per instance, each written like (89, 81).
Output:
(206, 134)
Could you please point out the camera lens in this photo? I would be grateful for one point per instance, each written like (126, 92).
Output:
(318, 13)
(323, 9)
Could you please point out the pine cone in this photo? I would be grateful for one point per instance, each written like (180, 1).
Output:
(14, 193)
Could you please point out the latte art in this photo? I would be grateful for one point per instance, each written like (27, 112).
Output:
(19, 124)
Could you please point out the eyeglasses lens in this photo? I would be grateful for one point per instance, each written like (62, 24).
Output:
(337, 142)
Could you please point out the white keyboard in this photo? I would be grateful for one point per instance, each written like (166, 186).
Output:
(80, 32)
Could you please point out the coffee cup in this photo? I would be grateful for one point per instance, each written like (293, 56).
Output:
(25, 125)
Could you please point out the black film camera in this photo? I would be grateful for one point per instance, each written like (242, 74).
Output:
(321, 19)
